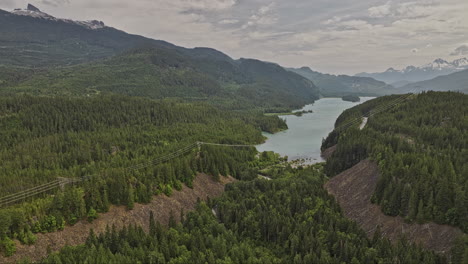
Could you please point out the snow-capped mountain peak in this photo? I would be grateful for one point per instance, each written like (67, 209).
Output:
(35, 12)
(415, 74)
(32, 8)
(463, 62)
(439, 64)
(410, 68)
(32, 11)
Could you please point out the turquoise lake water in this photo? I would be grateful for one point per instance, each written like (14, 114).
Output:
(304, 137)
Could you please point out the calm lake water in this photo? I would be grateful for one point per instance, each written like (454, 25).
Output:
(304, 137)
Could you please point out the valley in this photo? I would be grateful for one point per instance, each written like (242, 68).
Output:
(353, 189)
(163, 208)
(121, 148)
(303, 138)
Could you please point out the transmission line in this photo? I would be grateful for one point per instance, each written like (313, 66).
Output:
(22, 195)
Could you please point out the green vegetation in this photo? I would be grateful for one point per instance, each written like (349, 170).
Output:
(45, 138)
(291, 219)
(166, 73)
(71, 108)
(50, 58)
(296, 113)
(351, 98)
(421, 146)
(28, 41)
(452, 82)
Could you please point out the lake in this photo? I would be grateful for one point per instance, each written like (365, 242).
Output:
(304, 137)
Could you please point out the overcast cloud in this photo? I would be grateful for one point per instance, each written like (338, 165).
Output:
(336, 36)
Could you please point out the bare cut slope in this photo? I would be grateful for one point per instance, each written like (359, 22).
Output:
(162, 206)
(353, 189)
(326, 153)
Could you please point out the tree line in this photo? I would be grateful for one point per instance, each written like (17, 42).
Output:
(291, 219)
(45, 138)
(421, 147)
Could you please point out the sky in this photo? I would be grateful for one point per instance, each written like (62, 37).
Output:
(332, 36)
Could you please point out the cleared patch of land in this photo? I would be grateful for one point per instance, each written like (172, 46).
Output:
(328, 152)
(364, 123)
(353, 189)
(162, 206)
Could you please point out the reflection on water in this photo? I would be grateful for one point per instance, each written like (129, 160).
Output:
(304, 137)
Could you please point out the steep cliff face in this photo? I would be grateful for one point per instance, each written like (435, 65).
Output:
(162, 206)
(353, 189)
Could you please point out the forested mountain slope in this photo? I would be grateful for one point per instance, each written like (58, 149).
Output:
(160, 73)
(43, 138)
(453, 82)
(353, 189)
(290, 219)
(164, 208)
(438, 67)
(53, 57)
(421, 146)
(30, 41)
(342, 85)
(103, 138)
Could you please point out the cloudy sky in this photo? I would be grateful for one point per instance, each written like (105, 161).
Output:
(335, 36)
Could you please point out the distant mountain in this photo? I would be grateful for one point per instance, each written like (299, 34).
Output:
(453, 82)
(342, 85)
(33, 11)
(400, 84)
(439, 67)
(158, 73)
(31, 38)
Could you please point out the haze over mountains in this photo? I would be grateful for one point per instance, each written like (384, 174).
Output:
(457, 81)
(110, 143)
(438, 67)
(57, 56)
(104, 59)
(33, 11)
(333, 85)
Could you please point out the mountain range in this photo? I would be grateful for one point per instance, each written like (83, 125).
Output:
(43, 55)
(33, 11)
(438, 67)
(342, 85)
(457, 81)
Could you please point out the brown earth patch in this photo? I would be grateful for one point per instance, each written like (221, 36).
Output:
(162, 206)
(353, 189)
(326, 154)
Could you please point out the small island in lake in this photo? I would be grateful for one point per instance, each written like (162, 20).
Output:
(300, 113)
(351, 98)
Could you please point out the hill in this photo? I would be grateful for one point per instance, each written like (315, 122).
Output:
(158, 73)
(342, 85)
(420, 146)
(43, 55)
(38, 41)
(438, 67)
(251, 223)
(204, 187)
(453, 82)
(359, 182)
(114, 146)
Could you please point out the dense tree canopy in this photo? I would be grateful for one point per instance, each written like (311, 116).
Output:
(103, 138)
(421, 146)
(285, 220)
